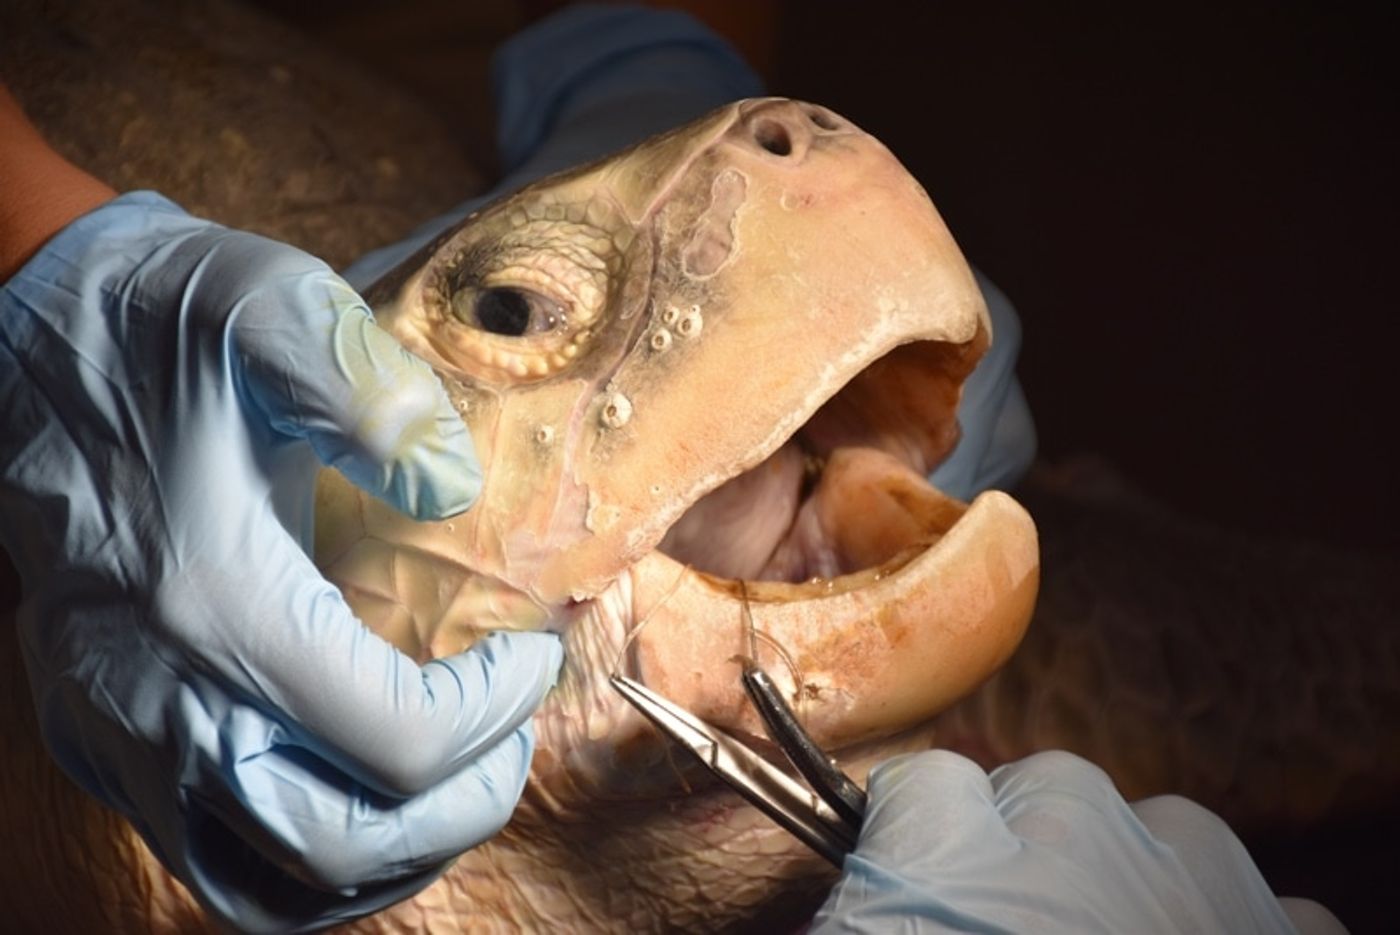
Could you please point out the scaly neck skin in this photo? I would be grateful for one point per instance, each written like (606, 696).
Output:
(616, 831)
(40, 191)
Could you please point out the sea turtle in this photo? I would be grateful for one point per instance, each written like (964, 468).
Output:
(706, 377)
(1256, 676)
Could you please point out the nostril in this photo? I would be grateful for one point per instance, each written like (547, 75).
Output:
(822, 119)
(773, 136)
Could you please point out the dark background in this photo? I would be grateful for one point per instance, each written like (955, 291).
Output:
(1193, 207)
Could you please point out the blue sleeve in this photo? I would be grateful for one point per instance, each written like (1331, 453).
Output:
(998, 435)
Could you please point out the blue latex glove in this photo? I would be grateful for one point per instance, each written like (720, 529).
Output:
(1045, 844)
(162, 377)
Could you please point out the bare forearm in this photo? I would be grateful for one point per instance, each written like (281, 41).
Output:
(40, 191)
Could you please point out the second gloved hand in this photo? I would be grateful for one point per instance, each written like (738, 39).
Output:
(1045, 844)
(165, 382)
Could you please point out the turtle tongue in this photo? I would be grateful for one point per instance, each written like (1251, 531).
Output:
(867, 508)
(733, 530)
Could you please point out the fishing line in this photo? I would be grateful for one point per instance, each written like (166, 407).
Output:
(627, 643)
(755, 635)
(646, 618)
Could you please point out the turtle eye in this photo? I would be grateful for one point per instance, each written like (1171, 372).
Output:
(507, 311)
(519, 306)
(516, 332)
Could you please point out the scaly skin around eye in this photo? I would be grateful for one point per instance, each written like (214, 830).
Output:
(525, 308)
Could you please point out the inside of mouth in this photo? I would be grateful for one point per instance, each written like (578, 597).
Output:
(846, 498)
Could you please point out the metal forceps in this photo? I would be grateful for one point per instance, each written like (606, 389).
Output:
(826, 818)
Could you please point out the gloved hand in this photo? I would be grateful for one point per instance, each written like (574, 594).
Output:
(1045, 844)
(162, 377)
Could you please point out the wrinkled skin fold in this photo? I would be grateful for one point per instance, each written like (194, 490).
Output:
(730, 354)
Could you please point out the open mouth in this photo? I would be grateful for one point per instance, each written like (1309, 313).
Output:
(876, 599)
(845, 499)
(664, 475)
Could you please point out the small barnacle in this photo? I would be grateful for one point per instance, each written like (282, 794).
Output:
(544, 435)
(690, 323)
(617, 409)
(660, 339)
(670, 314)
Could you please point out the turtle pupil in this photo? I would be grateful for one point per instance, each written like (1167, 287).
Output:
(503, 311)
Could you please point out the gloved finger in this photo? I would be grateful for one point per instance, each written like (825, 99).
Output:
(931, 838)
(1081, 842)
(931, 810)
(1214, 857)
(335, 835)
(277, 840)
(1064, 805)
(397, 434)
(1053, 796)
(313, 360)
(1187, 827)
(295, 648)
(1311, 918)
